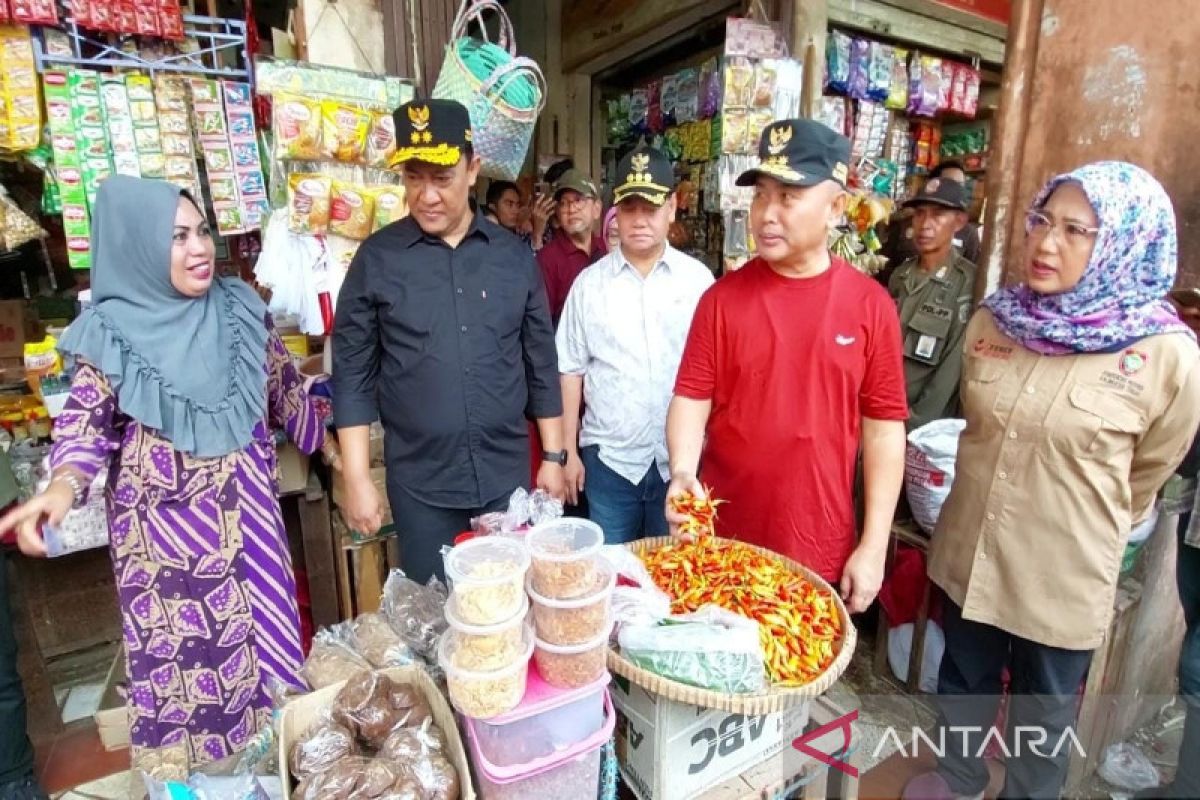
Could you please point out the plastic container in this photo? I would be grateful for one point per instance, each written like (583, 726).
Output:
(483, 693)
(491, 646)
(576, 621)
(572, 666)
(565, 557)
(548, 722)
(487, 576)
(573, 773)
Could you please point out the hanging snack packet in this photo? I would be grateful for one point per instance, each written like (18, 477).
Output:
(639, 110)
(860, 66)
(880, 85)
(735, 131)
(654, 114)
(381, 143)
(308, 203)
(757, 121)
(344, 132)
(389, 203)
(297, 127)
(739, 84)
(898, 86)
(765, 80)
(837, 62)
(351, 211)
(945, 72)
(971, 82)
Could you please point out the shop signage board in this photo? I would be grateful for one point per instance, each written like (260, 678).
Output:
(673, 751)
(994, 10)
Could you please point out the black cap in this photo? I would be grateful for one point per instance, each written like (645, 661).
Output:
(435, 131)
(940, 192)
(645, 173)
(800, 152)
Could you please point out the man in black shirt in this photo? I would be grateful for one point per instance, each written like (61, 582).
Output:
(443, 331)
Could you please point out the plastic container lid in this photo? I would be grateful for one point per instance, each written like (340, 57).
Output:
(541, 697)
(576, 649)
(520, 772)
(606, 579)
(486, 630)
(565, 539)
(484, 549)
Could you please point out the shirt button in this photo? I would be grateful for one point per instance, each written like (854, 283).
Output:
(983, 556)
(460, 290)
(1029, 390)
(1012, 434)
(991, 517)
(1003, 476)
(463, 328)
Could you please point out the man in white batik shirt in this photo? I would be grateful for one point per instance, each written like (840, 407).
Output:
(619, 344)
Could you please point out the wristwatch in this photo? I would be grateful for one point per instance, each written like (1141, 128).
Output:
(559, 457)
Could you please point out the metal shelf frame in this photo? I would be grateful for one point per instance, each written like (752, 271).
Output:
(217, 36)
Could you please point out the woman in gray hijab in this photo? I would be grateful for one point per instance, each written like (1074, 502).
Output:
(179, 381)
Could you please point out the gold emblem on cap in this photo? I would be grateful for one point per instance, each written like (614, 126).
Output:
(419, 117)
(779, 138)
(640, 165)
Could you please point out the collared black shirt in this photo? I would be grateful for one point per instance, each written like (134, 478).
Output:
(452, 349)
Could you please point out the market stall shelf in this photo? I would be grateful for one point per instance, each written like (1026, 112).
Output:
(766, 702)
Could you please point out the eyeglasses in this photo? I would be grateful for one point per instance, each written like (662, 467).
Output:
(578, 201)
(1069, 233)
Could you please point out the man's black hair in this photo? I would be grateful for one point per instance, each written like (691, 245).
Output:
(937, 171)
(496, 190)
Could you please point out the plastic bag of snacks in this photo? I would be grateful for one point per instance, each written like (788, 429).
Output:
(389, 205)
(381, 142)
(297, 127)
(837, 61)
(308, 203)
(897, 97)
(711, 648)
(344, 132)
(351, 211)
(416, 612)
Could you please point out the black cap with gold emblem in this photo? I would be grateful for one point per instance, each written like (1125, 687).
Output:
(645, 173)
(435, 131)
(940, 192)
(800, 152)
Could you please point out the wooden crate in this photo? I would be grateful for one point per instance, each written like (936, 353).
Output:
(362, 567)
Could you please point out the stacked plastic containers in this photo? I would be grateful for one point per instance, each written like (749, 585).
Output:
(485, 651)
(548, 742)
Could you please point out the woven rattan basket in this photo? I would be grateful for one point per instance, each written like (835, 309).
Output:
(770, 701)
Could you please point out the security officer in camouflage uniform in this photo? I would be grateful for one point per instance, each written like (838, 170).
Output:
(933, 293)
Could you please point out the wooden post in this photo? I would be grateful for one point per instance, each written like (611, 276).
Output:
(1008, 140)
(810, 28)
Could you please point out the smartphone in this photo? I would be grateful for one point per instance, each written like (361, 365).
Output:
(1188, 298)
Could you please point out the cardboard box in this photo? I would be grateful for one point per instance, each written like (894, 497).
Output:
(291, 469)
(299, 715)
(672, 751)
(16, 327)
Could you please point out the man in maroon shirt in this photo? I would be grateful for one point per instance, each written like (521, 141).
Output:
(575, 245)
(791, 363)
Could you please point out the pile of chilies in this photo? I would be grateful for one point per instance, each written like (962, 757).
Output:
(798, 622)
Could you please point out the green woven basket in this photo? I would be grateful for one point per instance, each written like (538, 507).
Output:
(503, 92)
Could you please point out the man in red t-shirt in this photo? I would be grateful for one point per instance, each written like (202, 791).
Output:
(576, 245)
(791, 363)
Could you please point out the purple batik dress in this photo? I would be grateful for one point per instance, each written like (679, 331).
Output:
(203, 571)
